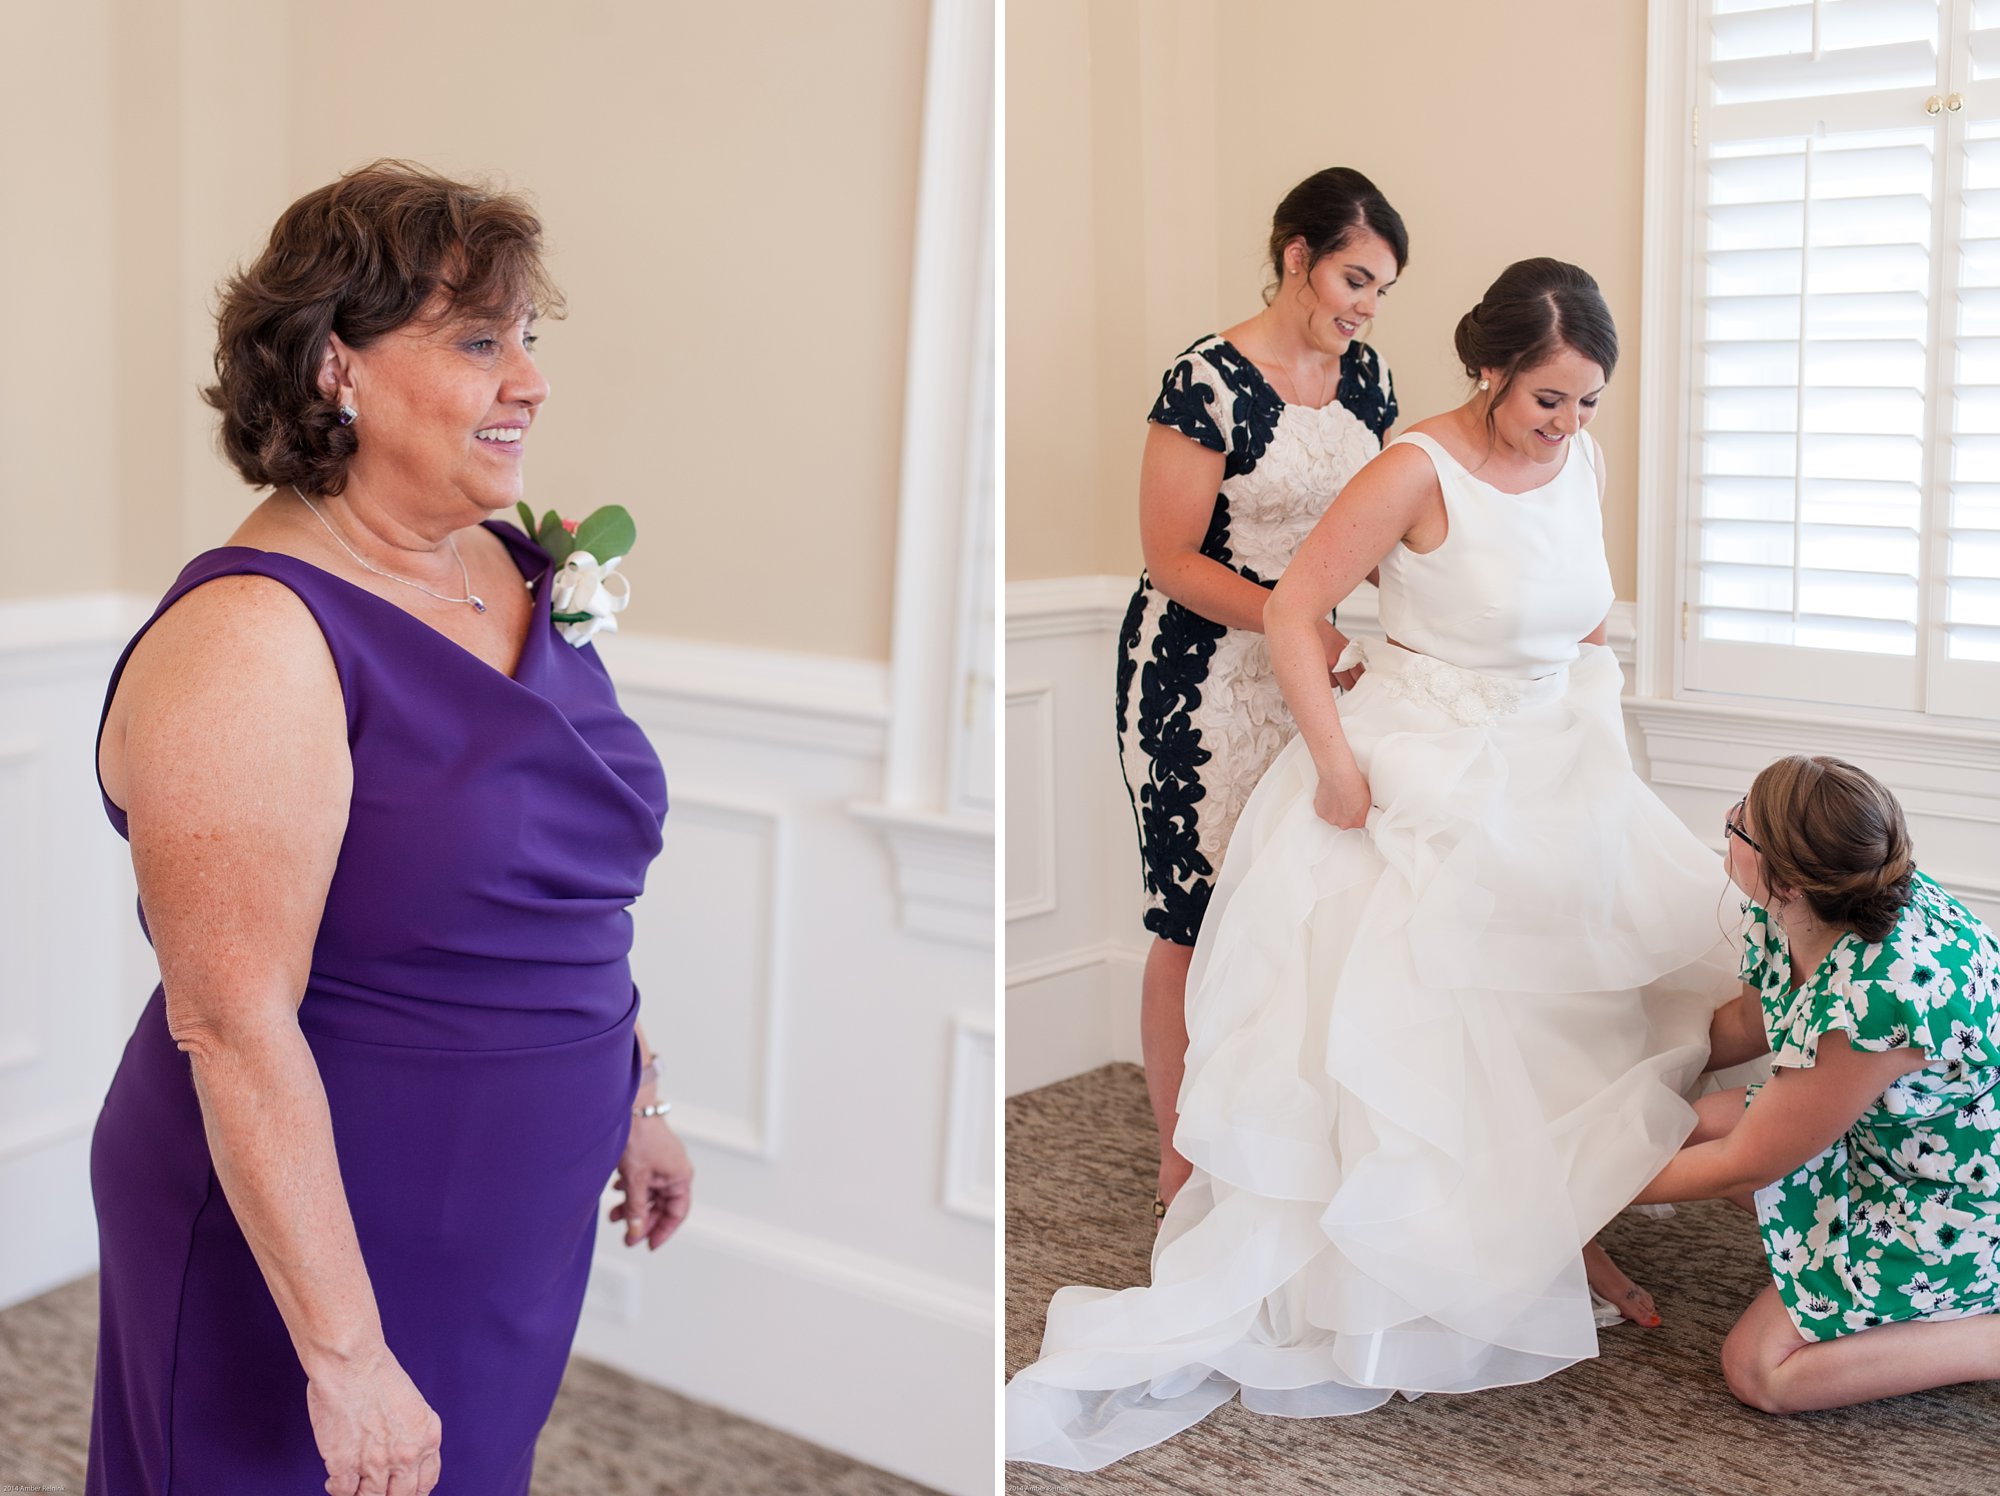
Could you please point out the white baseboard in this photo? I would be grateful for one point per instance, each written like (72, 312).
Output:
(1072, 1012)
(744, 1315)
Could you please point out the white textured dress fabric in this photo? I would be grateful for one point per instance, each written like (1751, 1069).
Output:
(1242, 718)
(1430, 1057)
(1200, 715)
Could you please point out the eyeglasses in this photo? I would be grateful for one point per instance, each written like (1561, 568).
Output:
(1732, 825)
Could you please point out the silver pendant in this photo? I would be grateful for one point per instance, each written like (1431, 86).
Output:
(477, 605)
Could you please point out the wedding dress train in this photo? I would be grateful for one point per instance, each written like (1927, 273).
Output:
(1429, 1057)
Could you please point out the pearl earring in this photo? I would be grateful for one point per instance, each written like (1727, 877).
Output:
(1482, 384)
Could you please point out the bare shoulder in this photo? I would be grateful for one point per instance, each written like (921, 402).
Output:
(235, 676)
(1442, 428)
(237, 636)
(233, 762)
(1398, 497)
(1402, 474)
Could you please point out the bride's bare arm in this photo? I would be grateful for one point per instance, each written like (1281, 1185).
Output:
(1379, 506)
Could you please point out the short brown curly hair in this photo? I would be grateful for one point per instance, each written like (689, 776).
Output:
(361, 257)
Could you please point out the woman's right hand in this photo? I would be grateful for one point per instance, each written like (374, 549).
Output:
(1342, 799)
(374, 1430)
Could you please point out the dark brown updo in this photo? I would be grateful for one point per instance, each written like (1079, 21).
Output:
(1834, 834)
(1327, 210)
(1532, 312)
(360, 257)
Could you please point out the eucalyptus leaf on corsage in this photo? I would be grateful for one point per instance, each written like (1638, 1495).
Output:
(586, 592)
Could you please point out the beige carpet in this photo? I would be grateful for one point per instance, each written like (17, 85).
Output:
(609, 1435)
(1650, 1415)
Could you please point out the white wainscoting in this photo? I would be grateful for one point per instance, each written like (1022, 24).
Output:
(1072, 896)
(1700, 758)
(75, 970)
(832, 1072)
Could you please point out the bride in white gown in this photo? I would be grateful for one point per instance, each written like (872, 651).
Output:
(1459, 966)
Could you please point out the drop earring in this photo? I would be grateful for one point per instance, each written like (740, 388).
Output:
(347, 414)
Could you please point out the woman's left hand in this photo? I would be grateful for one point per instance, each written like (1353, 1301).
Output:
(1333, 643)
(658, 1183)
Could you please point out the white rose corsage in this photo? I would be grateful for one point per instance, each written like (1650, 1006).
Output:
(586, 593)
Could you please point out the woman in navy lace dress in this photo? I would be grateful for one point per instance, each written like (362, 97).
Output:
(1253, 434)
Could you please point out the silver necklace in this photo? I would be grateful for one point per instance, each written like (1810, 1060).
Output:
(465, 577)
(1327, 383)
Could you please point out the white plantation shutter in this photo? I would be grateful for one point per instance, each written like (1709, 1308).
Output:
(1967, 656)
(1796, 49)
(1831, 312)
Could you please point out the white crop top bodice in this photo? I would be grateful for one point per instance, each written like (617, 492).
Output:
(1520, 578)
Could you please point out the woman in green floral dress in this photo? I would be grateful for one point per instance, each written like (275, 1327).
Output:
(1872, 1156)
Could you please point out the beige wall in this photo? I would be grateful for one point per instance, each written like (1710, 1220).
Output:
(58, 485)
(730, 196)
(1149, 142)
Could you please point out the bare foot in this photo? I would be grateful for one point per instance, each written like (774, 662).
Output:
(1607, 1282)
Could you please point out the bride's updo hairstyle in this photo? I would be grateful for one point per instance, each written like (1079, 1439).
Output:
(1532, 312)
(1832, 833)
(1327, 210)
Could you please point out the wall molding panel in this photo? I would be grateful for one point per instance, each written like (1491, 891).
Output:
(1030, 726)
(67, 929)
(1075, 944)
(783, 948)
(20, 902)
(972, 1143)
(728, 882)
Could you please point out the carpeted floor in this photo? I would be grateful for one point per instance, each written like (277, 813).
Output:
(609, 1435)
(1649, 1417)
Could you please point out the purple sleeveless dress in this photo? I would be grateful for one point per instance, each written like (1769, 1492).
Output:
(470, 1008)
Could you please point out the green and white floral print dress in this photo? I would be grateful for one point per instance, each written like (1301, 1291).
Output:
(1900, 1218)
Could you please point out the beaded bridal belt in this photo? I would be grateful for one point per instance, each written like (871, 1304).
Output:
(1471, 698)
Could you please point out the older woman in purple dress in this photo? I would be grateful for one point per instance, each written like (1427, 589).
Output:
(387, 823)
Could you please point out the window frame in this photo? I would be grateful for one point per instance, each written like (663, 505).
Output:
(1667, 527)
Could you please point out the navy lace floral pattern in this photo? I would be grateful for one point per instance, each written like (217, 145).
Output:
(1365, 389)
(1199, 713)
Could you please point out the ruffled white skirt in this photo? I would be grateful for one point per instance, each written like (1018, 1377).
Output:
(1428, 1059)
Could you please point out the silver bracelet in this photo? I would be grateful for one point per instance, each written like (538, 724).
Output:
(658, 1108)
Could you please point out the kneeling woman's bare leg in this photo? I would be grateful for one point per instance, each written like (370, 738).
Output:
(1163, 1041)
(1772, 1367)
